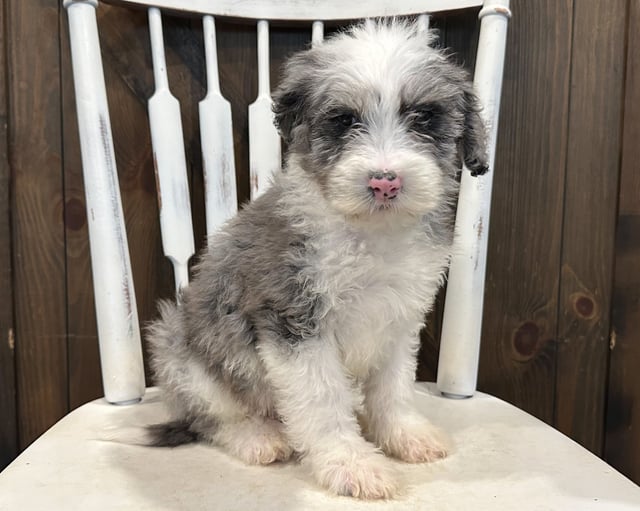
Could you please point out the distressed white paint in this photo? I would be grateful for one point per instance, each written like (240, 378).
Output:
(169, 161)
(305, 9)
(423, 22)
(116, 312)
(216, 136)
(317, 32)
(462, 322)
(264, 142)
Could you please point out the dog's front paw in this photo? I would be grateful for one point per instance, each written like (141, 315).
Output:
(414, 441)
(361, 475)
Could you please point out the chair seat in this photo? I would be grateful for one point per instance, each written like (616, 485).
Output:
(502, 459)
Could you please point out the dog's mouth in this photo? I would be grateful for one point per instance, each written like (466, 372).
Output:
(384, 202)
(385, 205)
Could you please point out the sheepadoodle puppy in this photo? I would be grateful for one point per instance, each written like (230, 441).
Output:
(299, 333)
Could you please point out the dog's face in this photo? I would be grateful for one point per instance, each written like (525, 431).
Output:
(380, 120)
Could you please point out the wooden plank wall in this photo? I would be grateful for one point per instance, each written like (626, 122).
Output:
(562, 306)
(589, 218)
(622, 446)
(8, 423)
(518, 360)
(37, 206)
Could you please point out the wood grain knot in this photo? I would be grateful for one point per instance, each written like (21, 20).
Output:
(526, 340)
(75, 215)
(584, 306)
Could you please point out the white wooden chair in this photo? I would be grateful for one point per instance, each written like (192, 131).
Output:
(502, 458)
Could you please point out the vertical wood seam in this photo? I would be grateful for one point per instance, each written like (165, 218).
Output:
(620, 446)
(611, 325)
(562, 222)
(12, 413)
(582, 343)
(61, 20)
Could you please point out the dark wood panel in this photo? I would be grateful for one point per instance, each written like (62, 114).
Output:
(8, 418)
(520, 318)
(591, 189)
(38, 231)
(622, 442)
(459, 32)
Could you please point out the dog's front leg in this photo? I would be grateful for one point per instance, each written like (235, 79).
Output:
(316, 400)
(390, 418)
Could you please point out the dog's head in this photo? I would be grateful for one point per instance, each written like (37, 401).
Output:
(380, 119)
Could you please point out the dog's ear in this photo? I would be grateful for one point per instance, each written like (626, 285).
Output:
(291, 97)
(473, 144)
(288, 108)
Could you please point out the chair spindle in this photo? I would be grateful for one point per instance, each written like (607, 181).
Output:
(169, 160)
(216, 134)
(116, 311)
(264, 142)
(317, 32)
(423, 22)
(462, 322)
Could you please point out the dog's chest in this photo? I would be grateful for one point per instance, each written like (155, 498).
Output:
(380, 288)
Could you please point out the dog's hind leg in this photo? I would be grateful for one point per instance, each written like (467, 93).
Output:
(208, 411)
(255, 440)
(316, 400)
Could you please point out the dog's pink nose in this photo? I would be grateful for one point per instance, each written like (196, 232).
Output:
(385, 185)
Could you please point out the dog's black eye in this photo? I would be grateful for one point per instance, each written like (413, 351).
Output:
(345, 120)
(424, 115)
(424, 119)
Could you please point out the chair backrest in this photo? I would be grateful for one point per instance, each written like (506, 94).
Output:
(118, 327)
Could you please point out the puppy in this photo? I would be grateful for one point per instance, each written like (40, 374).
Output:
(300, 330)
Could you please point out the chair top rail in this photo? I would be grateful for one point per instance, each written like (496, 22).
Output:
(303, 10)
